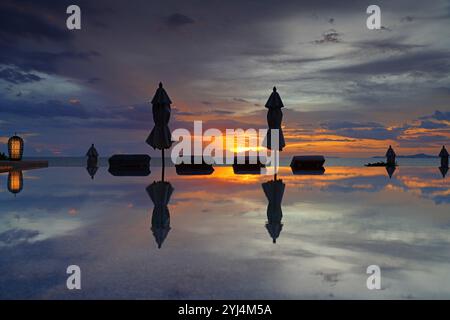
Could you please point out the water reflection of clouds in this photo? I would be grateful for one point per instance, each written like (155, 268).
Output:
(334, 226)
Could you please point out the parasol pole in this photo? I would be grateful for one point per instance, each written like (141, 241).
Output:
(163, 164)
(275, 172)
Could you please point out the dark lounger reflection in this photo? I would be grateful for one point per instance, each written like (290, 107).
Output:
(129, 165)
(193, 169)
(313, 172)
(248, 166)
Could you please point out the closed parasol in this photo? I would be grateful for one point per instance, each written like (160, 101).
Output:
(274, 119)
(160, 137)
(390, 156)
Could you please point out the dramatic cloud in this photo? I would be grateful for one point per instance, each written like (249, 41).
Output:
(41, 60)
(330, 36)
(343, 86)
(18, 22)
(14, 76)
(439, 115)
(433, 62)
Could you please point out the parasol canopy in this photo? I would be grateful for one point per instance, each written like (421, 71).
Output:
(274, 119)
(160, 193)
(443, 153)
(390, 152)
(160, 137)
(92, 160)
(92, 152)
(274, 191)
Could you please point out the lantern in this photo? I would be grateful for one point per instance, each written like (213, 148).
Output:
(15, 148)
(15, 181)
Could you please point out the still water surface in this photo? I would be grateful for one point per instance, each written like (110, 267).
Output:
(217, 243)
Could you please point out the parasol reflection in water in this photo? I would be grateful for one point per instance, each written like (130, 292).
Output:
(160, 193)
(274, 190)
(390, 170)
(443, 171)
(160, 138)
(92, 161)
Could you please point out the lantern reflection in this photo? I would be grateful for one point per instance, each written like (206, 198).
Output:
(15, 181)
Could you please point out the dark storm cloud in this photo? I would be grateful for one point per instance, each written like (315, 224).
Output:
(252, 44)
(425, 139)
(18, 22)
(41, 60)
(330, 36)
(221, 112)
(407, 19)
(336, 125)
(93, 80)
(387, 45)
(42, 25)
(178, 20)
(43, 20)
(433, 125)
(363, 130)
(438, 115)
(17, 77)
(14, 236)
(294, 61)
(48, 109)
(372, 133)
(241, 100)
(426, 62)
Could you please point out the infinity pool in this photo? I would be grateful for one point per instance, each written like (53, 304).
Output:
(220, 242)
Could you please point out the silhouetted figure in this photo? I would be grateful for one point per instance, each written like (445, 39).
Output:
(390, 157)
(444, 157)
(274, 119)
(274, 191)
(92, 157)
(390, 170)
(160, 193)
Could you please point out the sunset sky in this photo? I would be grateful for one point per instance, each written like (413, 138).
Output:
(348, 91)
